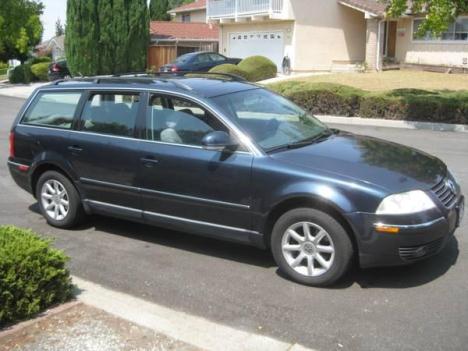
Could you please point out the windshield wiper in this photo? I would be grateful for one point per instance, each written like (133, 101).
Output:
(301, 143)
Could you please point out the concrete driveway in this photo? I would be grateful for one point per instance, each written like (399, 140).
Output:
(421, 307)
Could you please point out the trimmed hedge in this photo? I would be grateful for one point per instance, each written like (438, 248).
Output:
(39, 59)
(39, 71)
(258, 68)
(230, 69)
(21, 74)
(400, 104)
(33, 275)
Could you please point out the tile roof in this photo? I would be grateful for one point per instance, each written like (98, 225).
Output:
(183, 31)
(196, 5)
(373, 6)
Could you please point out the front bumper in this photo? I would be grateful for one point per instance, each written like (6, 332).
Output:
(420, 235)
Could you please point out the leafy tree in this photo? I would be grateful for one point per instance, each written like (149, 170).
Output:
(106, 36)
(158, 10)
(20, 28)
(439, 13)
(59, 29)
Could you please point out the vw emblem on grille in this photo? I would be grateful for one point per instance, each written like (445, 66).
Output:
(449, 184)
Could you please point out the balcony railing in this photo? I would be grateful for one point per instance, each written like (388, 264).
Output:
(242, 8)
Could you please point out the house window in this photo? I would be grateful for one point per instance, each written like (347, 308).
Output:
(457, 31)
(186, 17)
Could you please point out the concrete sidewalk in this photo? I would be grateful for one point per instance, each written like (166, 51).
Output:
(19, 90)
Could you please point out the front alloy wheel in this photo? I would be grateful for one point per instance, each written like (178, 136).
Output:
(308, 249)
(311, 247)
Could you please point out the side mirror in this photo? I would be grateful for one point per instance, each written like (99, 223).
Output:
(218, 141)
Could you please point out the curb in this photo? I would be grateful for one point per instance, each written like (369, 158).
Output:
(377, 122)
(41, 316)
(193, 330)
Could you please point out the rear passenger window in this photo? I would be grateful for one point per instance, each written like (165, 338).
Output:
(52, 109)
(113, 114)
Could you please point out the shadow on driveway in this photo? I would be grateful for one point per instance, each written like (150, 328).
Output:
(400, 277)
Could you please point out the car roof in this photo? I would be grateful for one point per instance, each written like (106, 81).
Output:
(199, 86)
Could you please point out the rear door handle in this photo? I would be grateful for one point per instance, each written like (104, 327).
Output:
(149, 161)
(75, 149)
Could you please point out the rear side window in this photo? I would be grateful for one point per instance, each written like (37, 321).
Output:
(113, 114)
(52, 109)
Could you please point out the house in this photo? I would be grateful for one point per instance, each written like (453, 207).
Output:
(55, 47)
(172, 39)
(336, 35)
(187, 32)
(192, 12)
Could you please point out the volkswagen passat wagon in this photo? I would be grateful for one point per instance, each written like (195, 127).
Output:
(231, 160)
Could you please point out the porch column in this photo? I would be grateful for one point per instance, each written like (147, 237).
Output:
(373, 44)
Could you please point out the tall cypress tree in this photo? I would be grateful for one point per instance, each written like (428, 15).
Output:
(158, 10)
(82, 37)
(106, 36)
(138, 35)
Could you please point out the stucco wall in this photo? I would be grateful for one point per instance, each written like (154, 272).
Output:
(195, 16)
(427, 53)
(327, 34)
(324, 35)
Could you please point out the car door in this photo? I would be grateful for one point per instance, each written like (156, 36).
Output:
(104, 151)
(180, 181)
(203, 62)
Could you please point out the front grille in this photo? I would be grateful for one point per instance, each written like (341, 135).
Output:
(413, 253)
(446, 193)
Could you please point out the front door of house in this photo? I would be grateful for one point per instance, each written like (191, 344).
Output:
(391, 38)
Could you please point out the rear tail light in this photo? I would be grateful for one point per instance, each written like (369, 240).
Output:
(11, 140)
(174, 69)
(55, 68)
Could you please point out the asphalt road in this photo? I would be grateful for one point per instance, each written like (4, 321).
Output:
(421, 307)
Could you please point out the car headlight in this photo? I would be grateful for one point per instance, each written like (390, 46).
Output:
(405, 203)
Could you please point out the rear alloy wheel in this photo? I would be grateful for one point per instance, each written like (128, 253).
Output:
(311, 247)
(58, 199)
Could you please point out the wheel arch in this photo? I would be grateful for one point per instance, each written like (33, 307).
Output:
(314, 202)
(44, 167)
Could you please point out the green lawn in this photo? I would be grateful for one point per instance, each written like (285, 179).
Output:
(388, 80)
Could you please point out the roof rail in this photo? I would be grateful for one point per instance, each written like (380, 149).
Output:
(163, 76)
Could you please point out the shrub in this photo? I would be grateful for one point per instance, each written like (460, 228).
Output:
(230, 69)
(258, 68)
(32, 275)
(399, 104)
(417, 105)
(39, 59)
(322, 98)
(21, 74)
(39, 70)
(3, 65)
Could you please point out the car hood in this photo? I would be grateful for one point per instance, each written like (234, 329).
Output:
(387, 165)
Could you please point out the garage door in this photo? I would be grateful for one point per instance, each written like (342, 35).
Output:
(269, 44)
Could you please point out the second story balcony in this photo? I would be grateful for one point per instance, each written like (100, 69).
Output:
(238, 10)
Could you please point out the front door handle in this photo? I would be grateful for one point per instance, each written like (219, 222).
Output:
(75, 149)
(149, 161)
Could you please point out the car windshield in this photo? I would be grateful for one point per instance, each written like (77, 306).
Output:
(272, 121)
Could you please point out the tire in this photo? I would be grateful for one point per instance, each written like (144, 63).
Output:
(326, 238)
(62, 192)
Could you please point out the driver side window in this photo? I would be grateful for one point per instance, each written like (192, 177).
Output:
(178, 121)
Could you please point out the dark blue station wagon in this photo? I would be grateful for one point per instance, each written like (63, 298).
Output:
(231, 160)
